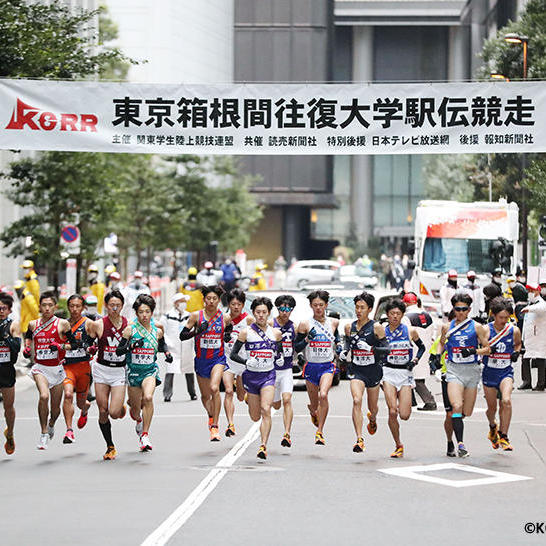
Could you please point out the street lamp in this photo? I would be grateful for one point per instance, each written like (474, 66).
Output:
(519, 39)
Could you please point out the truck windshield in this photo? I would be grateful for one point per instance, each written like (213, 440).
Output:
(460, 254)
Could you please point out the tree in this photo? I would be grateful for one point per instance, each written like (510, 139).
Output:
(51, 41)
(54, 188)
(449, 177)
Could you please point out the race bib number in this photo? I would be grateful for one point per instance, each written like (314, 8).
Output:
(4, 355)
(287, 349)
(458, 358)
(46, 354)
(142, 356)
(76, 353)
(260, 361)
(499, 360)
(398, 357)
(320, 350)
(363, 357)
(111, 356)
(210, 342)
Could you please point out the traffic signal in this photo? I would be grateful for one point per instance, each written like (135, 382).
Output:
(542, 233)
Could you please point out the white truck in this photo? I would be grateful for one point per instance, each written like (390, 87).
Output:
(460, 236)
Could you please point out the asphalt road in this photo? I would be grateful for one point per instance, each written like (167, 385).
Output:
(304, 495)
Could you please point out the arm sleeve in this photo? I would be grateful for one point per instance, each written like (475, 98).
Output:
(381, 349)
(14, 344)
(300, 342)
(123, 347)
(347, 343)
(162, 346)
(420, 349)
(237, 346)
(186, 333)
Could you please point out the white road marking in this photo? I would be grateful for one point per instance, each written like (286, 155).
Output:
(419, 473)
(196, 498)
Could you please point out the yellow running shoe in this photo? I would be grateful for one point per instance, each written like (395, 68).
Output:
(286, 441)
(505, 444)
(262, 452)
(359, 447)
(398, 453)
(230, 430)
(319, 439)
(493, 436)
(110, 454)
(9, 446)
(372, 425)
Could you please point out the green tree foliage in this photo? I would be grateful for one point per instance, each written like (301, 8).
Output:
(449, 177)
(51, 41)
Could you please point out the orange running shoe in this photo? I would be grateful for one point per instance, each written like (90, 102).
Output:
(110, 454)
(398, 453)
(214, 434)
(493, 436)
(9, 446)
(372, 425)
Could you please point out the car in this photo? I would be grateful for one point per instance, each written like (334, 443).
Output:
(355, 276)
(304, 272)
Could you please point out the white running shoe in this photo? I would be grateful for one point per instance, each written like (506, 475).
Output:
(144, 443)
(42, 442)
(138, 427)
(51, 431)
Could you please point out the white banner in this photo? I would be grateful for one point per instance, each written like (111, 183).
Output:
(435, 118)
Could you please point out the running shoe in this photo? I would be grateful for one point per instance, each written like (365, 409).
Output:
(110, 454)
(82, 420)
(286, 441)
(138, 424)
(314, 418)
(144, 442)
(451, 450)
(42, 442)
(398, 453)
(214, 434)
(504, 443)
(461, 450)
(69, 437)
(230, 430)
(51, 431)
(359, 447)
(319, 439)
(262, 452)
(372, 425)
(9, 446)
(493, 436)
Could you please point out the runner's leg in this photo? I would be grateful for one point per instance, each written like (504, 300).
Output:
(391, 397)
(215, 378)
(9, 409)
(506, 387)
(147, 391)
(229, 405)
(323, 405)
(68, 404)
(254, 408)
(357, 392)
(43, 401)
(266, 400)
(288, 411)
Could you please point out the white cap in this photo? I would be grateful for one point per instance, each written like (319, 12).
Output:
(179, 297)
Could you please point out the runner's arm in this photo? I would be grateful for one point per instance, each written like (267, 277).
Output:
(483, 337)
(12, 338)
(443, 340)
(421, 349)
(301, 336)
(237, 346)
(517, 345)
(124, 345)
(187, 332)
(162, 348)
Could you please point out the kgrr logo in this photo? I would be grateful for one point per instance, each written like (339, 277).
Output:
(35, 119)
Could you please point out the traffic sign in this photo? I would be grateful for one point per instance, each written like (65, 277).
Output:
(70, 234)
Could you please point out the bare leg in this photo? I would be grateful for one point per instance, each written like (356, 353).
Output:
(323, 405)
(357, 392)
(68, 404)
(215, 378)
(506, 387)
(391, 397)
(254, 408)
(288, 411)
(204, 389)
(266, 399)
(43, 402)
(147, 389)
(9, 408)
(55, 400)
(229, 405)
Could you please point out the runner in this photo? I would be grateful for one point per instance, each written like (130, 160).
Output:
(240, 319)
(366, 341)
(109, 370)
(398, 380)
(77, 368)
(498, 372)
(461, 337)
(207, 327)
(10, 345)
(316, 337)
(142, 339)
(263, 345)
(284, 381)
(46, 337)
